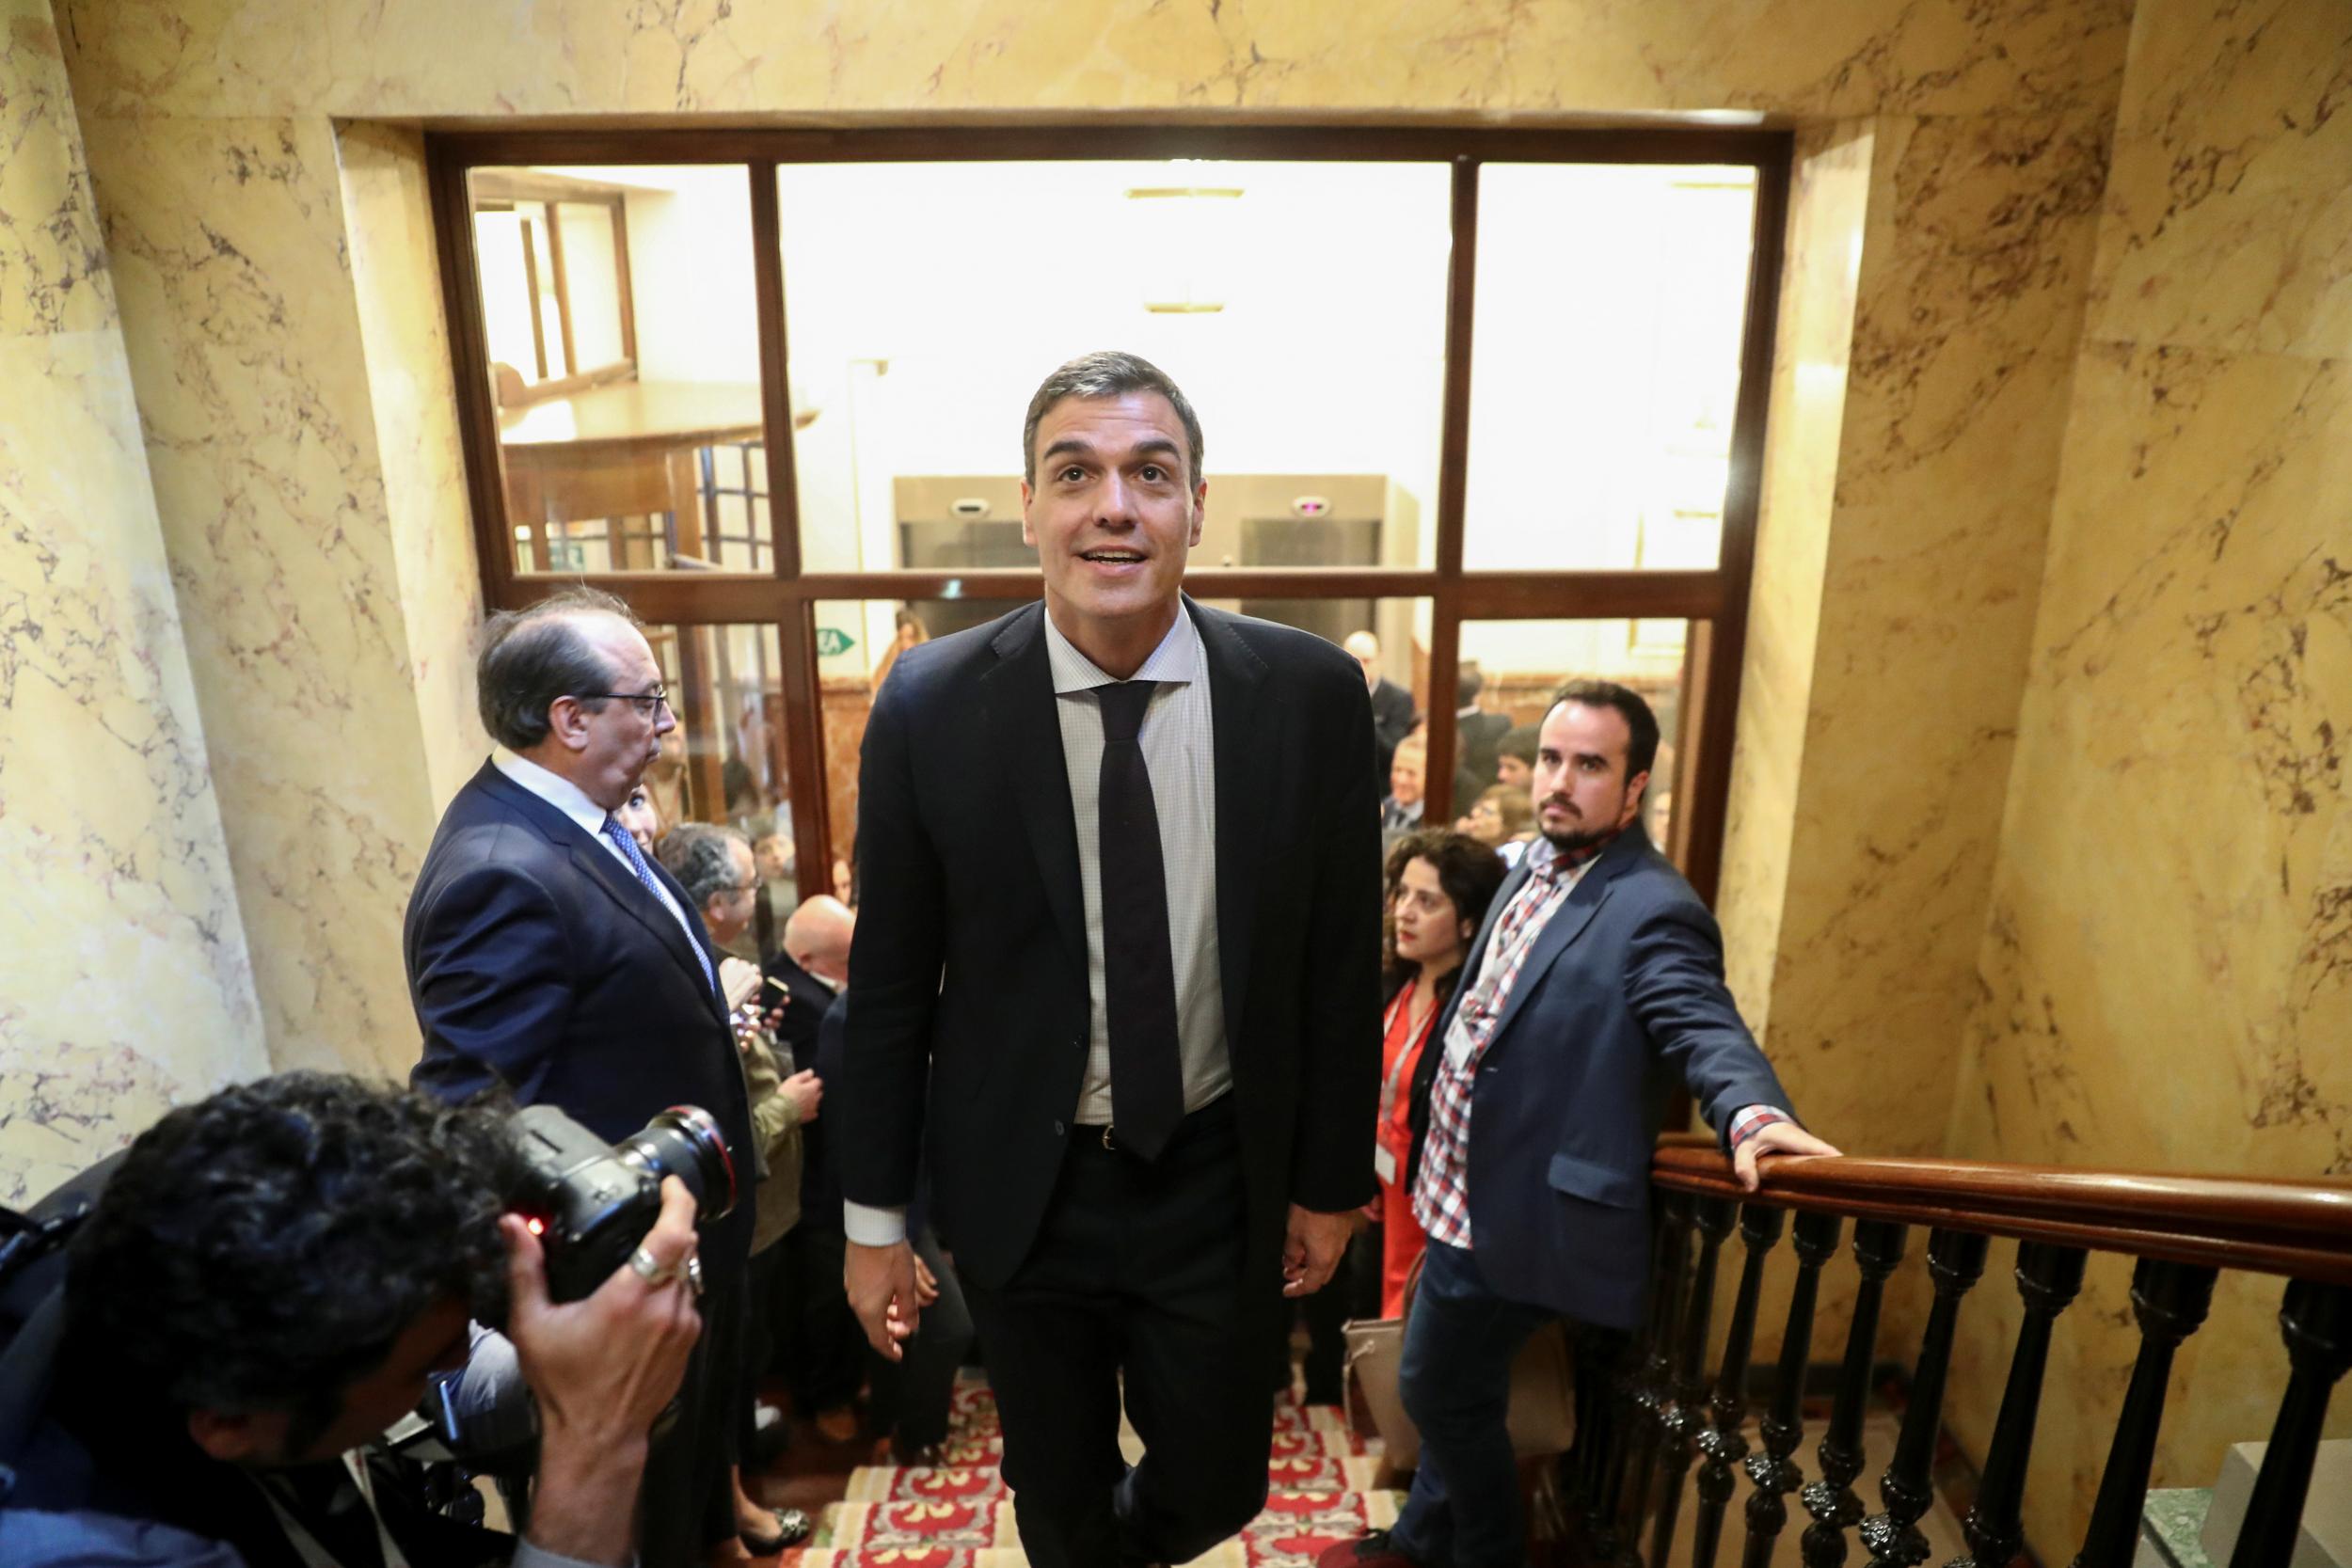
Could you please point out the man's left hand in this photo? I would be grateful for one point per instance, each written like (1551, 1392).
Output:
(1311, 1249)
(1779, 1137)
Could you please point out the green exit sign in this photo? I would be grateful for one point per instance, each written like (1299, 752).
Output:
(833, 639)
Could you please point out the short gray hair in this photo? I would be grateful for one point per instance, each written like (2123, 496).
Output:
(1107, 373)
(701, 855)
(532, 657)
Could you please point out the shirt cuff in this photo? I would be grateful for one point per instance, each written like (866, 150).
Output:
(871, 1227)
(528, 1555)
(1752, 1121)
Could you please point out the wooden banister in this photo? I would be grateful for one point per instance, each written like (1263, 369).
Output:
(2300, 1229)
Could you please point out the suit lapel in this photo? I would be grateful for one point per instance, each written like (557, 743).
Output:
(1020, 717)
(602, 867)
(1566, 924)
(1238, 717)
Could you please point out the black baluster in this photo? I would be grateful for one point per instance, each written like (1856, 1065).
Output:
(1600, 1523)
(1956, 1260)
(1655, 1385)
(1772, 1471)
(1601, 1371)
(1878, 1248)
(2317, 1323)
(1679, 1437)
(2170, 1300)
(1759, 1232)
(2048, 1279)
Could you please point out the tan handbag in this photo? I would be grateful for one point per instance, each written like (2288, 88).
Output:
(1542, 1417)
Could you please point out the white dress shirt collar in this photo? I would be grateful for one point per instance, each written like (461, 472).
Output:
(1178, 658)
(554, 788)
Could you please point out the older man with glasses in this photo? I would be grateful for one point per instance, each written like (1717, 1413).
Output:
(548, 957)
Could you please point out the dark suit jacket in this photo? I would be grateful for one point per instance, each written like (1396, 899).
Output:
(1481, 747)
(1622, 996)
(537, 961)
(810, 1000)
(1393, 720)
(968, 974)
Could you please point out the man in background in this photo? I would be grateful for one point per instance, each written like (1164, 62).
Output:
(824, 1349)
(1392, 715)
(1596, 984)
(548, 958)
(714, 866)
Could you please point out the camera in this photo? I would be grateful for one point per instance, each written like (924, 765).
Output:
(590, 1203)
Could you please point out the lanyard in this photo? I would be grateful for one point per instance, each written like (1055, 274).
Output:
(307, 1546)
(1404, 1052)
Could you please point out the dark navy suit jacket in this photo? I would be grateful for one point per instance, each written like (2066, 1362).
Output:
(1621, 997)
(537, 961)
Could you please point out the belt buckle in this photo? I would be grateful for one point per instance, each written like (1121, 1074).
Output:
(1106, 1136)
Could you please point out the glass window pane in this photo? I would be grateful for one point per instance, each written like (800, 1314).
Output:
(858, 640)
(724, 763)
(608, 470)
(1301, 307)
(1605, 365)
(592, 282)
(1509, 671)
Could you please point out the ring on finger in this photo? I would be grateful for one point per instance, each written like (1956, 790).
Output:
(693, 1269)
(651, 1269)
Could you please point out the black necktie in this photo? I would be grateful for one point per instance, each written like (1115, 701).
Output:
(1139, 972)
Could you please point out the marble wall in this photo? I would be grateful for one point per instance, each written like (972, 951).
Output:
(124, 983)
(2165, 979)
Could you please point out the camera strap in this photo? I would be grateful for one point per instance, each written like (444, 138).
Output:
(307, 1546)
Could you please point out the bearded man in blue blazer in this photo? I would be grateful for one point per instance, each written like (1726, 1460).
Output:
(1596, 985)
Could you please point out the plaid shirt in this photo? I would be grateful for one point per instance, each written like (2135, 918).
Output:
(1441, 1196)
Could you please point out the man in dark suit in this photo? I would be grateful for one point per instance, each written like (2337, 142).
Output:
(547, 955)
(1393, 716)
(1115, 974)
(1596, 981)
(825, 1353)
(1479, 735)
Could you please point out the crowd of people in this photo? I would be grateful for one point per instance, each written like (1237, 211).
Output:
(1158, 1012)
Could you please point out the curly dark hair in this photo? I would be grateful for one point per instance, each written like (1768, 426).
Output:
(263, 1248)
(1468, 872)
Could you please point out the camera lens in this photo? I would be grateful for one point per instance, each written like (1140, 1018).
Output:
(684, 1141)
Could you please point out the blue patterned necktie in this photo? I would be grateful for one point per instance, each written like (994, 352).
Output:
(629, 852)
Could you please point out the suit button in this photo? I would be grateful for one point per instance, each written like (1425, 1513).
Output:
(1057, 1130)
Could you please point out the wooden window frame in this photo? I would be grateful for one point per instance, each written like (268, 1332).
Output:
(788, 597)
(502, 192)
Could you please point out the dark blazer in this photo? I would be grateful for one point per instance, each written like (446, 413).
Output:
(1621, 997)
(537, 961)
(968, 973)
(1393, 720)
(810, 998)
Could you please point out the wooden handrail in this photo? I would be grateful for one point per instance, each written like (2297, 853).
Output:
(2303, 1229)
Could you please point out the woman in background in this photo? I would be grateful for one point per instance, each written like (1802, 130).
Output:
(1439, 885)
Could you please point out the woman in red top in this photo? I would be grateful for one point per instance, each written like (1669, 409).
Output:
(1439, 885)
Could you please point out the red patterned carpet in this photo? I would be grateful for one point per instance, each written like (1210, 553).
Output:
(960, 1515)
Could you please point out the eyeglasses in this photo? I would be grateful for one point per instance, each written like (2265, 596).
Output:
(648, 703)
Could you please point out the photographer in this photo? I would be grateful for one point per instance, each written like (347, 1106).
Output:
(271, 1278)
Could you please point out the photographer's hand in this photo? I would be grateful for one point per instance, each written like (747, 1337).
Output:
(603, 1368)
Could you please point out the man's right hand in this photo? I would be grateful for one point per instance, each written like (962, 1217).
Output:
(603, 1370)
(882, 1288)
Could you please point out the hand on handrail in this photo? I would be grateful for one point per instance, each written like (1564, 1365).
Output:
(1779, 1137)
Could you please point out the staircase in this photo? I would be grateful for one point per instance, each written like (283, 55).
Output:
(960, 1515)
